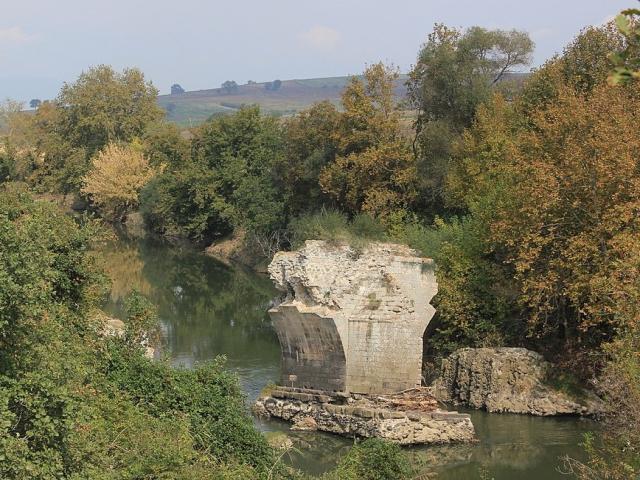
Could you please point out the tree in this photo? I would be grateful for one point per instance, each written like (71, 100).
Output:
(242, 149)
(563, 199)
(176, 89)
(104, 106)
(374, 171)
(273, 86)
(9, 113)
(35, 103)
(455, 72)
(547, 181)
(227, 181)
(117, 175)
(230, 86)
(310, 142)
(584, 64)
(101, 107)
(165, 146)
(627, 60)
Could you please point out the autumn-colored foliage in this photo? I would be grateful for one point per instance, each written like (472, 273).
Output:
(556, 185)
(117, 175)
(374, 171)
(571, 222)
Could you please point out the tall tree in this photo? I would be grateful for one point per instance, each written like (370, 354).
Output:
(176, 89)
(117, 175)
(310, 140)
(105, 106)
(225, 183)
(230, 86)
(455, 72)
(374, 171)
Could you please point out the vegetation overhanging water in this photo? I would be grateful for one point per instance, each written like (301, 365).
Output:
(208, 308)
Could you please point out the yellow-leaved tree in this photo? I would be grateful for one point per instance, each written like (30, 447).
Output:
(374, 171)
(118, 173)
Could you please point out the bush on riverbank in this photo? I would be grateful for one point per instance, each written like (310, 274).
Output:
(76, 404)
(372, 459)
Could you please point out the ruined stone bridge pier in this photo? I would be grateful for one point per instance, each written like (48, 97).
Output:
(350, 324)
(352, 320)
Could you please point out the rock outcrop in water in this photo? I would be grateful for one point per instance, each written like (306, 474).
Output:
(352, 320)
(505, 380)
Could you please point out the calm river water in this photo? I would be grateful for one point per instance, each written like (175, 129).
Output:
(207, 308)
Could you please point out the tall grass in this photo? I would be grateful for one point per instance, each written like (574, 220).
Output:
(333, 226)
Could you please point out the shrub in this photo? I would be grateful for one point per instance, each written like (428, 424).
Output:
(472, 304)
(333, 226)
(372, 459)
(208, 396)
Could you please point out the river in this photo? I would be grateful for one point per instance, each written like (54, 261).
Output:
(207, 308)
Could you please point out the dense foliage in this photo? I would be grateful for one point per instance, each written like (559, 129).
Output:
(455, 72)
(115, 179)
(52, 148)
(372, 459)
(74, 404)
(524, 189)
(224, 182)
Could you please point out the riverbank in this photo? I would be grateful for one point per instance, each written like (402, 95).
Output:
(207, 309)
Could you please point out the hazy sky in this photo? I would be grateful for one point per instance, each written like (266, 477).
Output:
(200, 44)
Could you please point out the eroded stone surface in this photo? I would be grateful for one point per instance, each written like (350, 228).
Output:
(366, 416)
(352, 320)
(506, 380)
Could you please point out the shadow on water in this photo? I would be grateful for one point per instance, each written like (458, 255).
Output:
(207, 308)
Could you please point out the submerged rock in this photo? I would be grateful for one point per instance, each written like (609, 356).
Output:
(279, 440)
(352, 320)
(506, 379)
(396, 418)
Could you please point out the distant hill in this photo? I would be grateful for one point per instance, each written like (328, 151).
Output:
(191, 108)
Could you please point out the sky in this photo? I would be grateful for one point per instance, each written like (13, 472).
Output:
(200, 44)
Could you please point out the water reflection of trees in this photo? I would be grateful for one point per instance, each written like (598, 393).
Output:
(122, 264)
(205, 307)
(522, 445)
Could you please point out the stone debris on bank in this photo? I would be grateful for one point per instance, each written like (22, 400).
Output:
(408, 418)
(114, 327)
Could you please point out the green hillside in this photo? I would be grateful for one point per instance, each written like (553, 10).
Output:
(194, 107)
